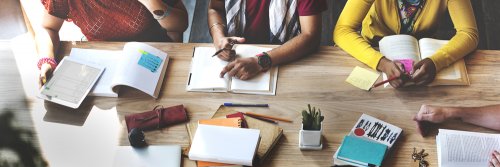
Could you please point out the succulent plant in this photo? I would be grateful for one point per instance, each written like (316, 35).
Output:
(312, 120)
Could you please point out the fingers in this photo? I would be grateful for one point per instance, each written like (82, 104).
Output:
(227, 55)
(226, 69)
(495, 159)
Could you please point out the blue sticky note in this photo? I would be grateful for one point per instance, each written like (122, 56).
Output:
(149, 61)
(362, 151)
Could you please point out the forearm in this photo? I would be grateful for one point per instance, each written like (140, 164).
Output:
(47, 42)
(485, 116)
(301, 45)
(216, 23)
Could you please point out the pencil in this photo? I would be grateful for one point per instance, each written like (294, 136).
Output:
(268, 117)
(216, 53)
(264, 119)
(388, 80)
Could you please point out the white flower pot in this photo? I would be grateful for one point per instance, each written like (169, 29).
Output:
(310, 138)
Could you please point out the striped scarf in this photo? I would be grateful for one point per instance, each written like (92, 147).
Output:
(283, 19)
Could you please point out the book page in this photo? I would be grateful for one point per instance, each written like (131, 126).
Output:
(461, 148)
(397, 47)
(205, 71)
(428, 47)
(106, 58)
(263, 82)
(143, 68)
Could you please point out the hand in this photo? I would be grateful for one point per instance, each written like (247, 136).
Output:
(45, 74)
(424, 72)
(393, 69)
(227, 43)
(242, 68)
(495, 159)
(428, 116)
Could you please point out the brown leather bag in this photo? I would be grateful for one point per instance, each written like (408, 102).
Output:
(157, 118)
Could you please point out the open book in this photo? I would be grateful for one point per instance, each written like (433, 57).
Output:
(397, 47)
(138, 66)
(205, 71)
(461, 148)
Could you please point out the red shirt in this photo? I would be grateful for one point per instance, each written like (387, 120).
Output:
(110, 20)
(257, 16)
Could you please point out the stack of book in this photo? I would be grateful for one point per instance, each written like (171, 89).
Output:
(269, 133)
(368, 143)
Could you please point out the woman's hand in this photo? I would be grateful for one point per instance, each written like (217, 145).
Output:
(495, 159)
(392, 69)
(242, 68)
(424, 72)
(45, 74)
(226, 43)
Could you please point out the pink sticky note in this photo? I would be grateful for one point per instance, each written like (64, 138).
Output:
(408, 65)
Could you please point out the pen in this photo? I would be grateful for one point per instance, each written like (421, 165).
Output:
(220, 50)
(245, 105)
(231, 43)
(388, 80)
(264, 119)
(267, 117)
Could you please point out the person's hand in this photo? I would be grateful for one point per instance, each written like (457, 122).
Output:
(242, 68)
(392, 69)
(424, 72)
(428, 116)
(227, 43)
(45, 74)
(495, 159)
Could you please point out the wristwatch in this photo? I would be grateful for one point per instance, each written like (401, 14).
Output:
(264, 60)
(160, 14)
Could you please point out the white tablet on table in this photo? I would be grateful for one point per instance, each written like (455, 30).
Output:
(71, 81)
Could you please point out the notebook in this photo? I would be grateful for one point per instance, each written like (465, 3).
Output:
(151, 156)
(370, 129)
(137, 65)
(362, 151)
(406, 47)
(270, 133)
(463, 149)
(72, 80)
(229, 122)
(205, 71)
(224, 144)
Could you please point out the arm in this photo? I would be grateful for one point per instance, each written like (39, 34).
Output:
(346, 36)
(464, 42)
(485, 116)
(177, 20)
(304, 43)
(47, 40)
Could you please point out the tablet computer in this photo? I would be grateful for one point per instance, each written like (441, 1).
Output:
(71, 81)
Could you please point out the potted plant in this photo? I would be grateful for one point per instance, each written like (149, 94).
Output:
(312, 127)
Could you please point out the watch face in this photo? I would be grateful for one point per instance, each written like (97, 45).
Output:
(264, 61)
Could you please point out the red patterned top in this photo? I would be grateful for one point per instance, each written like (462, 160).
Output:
(110, 20)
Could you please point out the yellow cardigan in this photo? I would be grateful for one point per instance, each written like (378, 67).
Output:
(380, 18)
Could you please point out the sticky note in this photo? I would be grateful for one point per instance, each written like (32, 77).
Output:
(408, 65)
(149, 61)
(362, 78)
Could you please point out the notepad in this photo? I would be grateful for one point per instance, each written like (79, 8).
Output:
(362, 151)
(224, 144)
(205, 71)
(362, 78)
(71, 82)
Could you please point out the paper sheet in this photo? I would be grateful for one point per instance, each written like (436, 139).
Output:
(362, 78)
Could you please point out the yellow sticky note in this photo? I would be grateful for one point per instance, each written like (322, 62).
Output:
(362, 78)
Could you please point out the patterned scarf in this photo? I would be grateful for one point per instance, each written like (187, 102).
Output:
(283, 19)
(409, 10)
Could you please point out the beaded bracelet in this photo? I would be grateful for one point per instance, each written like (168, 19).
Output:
(51, 61)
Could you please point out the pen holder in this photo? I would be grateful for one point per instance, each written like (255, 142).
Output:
(310, 138)
(157, 118)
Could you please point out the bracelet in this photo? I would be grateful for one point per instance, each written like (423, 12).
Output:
(51, 61)
(215, 25)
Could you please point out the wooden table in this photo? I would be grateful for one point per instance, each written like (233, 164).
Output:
(88, 136)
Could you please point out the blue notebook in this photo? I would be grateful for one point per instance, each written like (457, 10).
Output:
(362, 151)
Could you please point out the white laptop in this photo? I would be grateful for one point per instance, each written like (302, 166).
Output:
(151, 156)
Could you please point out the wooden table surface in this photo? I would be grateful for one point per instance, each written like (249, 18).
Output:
(89, 135)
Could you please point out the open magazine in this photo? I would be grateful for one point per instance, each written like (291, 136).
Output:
(397, 47)
(138, 65)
